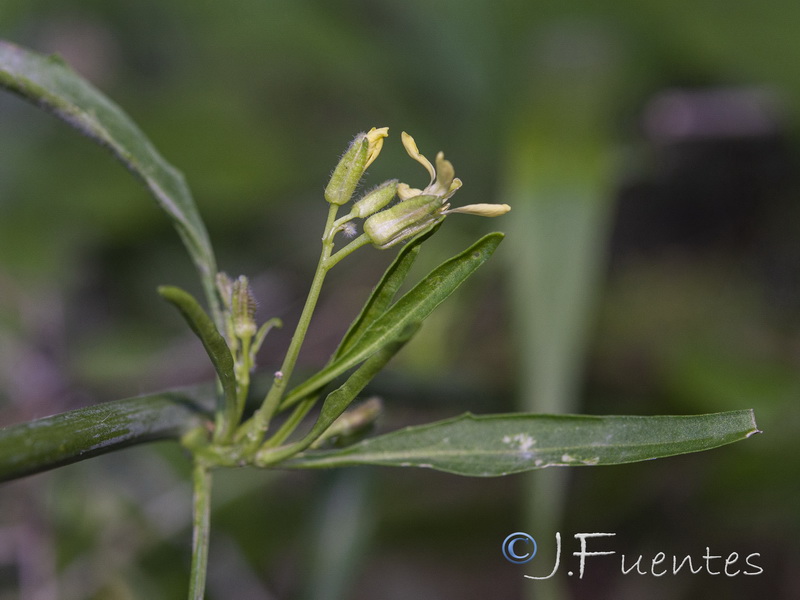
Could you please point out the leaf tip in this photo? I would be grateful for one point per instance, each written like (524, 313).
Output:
(755, 429)
(167, 292)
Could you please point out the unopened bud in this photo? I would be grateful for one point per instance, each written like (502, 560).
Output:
(243, 308)
(348, 172)
(353, 422)
(375, 200)
(403, 220)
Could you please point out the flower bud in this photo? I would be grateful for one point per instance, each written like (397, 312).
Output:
(375, 200)
(348, 172)
(352, 423)
(403, 220)
(243, 308)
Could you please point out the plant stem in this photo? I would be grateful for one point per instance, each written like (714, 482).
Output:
(243, 367)
(291, 423)
(264, 414)
(201, 477)
(357, 243)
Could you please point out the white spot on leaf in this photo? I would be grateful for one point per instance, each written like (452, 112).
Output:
(522, 443)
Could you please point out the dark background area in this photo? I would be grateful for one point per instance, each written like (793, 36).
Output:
(676, 123)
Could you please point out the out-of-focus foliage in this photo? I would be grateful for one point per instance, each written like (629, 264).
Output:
(698, 312)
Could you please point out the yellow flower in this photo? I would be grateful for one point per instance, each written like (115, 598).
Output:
(375, 138)
(443, 183)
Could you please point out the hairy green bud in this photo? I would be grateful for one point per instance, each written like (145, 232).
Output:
(375, 200)
(348, 172)
(243, 308)
(403, 220)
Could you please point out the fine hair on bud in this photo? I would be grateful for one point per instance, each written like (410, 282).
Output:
(243, 308)
(375, 199)
(348, 172)
(403, 220)
(349, 230)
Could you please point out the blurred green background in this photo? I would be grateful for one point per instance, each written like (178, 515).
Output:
(650, 152)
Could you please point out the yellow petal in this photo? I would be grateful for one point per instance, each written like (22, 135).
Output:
(375, 139)
(404, 192)
(411, 147)
(445, 173)
(482, 210)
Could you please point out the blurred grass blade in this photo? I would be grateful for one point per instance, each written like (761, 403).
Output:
(486, 446)
(345, 519)
(63, 439)
(51, 84)
(381, 297)
(215, 346)
(413, 307)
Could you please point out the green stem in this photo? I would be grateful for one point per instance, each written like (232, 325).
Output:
(357, 243)
(337, 224)
(300, 411)
(201, 477)
(261, 418)
(243, 366)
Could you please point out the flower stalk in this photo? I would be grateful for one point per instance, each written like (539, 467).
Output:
(417, 211)
(201, 523)
(257, 427)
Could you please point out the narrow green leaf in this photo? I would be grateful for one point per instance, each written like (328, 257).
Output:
(492, 445)
(51, 84)
(51, 442)
(338, 400)
(383, 294)
(215, 346)
(413, 307)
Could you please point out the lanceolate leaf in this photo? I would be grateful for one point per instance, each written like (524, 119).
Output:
(338, 400)
(49, 83)
(413, 307)
(485, 446)
(215, 346)
(62, 439)
(383, 294)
